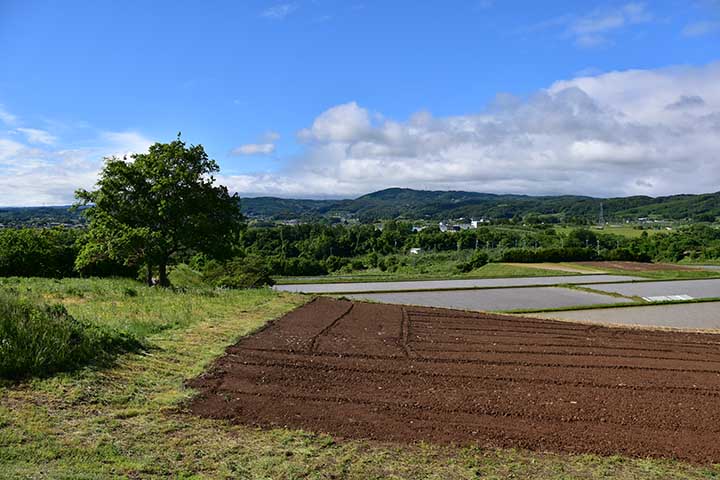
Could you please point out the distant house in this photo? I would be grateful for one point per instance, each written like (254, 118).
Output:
(456, 227)
(475, 223)
(415, 251)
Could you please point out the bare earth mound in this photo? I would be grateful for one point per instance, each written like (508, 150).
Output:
(386, 372)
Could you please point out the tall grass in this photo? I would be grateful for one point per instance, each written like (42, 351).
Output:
(37, 339)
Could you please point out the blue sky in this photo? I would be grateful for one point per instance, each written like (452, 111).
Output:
(323, 98)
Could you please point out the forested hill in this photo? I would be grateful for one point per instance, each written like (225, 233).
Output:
(396, 203)
(39, 216)
(405, 203)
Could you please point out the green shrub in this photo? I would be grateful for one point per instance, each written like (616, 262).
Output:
(334, 263)
(38, 339)
(299, 266)
(248, 272)
(478, 260)
(184, 277)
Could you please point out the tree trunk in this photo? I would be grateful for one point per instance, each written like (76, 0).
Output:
(162, 268)
(148, 278)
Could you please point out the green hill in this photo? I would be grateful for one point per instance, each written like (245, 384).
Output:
(404, 203)
(409, 204)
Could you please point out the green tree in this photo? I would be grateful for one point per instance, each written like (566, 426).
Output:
(156, 207)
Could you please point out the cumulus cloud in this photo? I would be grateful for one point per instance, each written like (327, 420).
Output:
(686, 101)
(341, 123)
(605, 135)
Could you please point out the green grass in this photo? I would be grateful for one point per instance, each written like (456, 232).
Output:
(603, 306)
(127, 421)
(491, 270)
(38, 339)
(625, 231)
(667, 274)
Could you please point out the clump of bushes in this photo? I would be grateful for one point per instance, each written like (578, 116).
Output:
(246, 272)
(38, 339)
(478, 260)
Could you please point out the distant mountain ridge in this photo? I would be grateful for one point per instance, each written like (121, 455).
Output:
(405, 203)
(409, 204)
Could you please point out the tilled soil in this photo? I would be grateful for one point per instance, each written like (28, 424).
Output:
(393, 373)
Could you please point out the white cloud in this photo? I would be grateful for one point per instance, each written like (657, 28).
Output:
(44, 175)
(265, 147)
(254, 149)
(35, 135)
(686, 101)
(280, 11)
(6, 117)
(340, 123)
(9, 149)
(698, 29)
(594, 29)
(124, 144)
(632, 132)
(271, 136)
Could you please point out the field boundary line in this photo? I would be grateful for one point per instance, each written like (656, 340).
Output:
(316, 337)
(405, 332)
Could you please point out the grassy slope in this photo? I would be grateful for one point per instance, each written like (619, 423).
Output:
(126, 422)
(625, 231)
(491, 270)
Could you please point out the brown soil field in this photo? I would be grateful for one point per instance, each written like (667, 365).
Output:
(635, 266)
(407, 374)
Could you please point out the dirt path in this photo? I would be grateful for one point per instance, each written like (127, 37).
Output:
(405, 374)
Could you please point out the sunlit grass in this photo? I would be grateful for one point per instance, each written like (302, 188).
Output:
(437, 269)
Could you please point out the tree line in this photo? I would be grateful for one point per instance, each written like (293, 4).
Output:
(316, 249)
(163, 208)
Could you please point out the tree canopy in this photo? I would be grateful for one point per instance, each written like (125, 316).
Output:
(157, 206)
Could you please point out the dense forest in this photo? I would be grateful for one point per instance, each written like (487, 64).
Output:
(317, 249)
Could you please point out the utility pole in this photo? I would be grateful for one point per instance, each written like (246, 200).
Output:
(601, 219)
